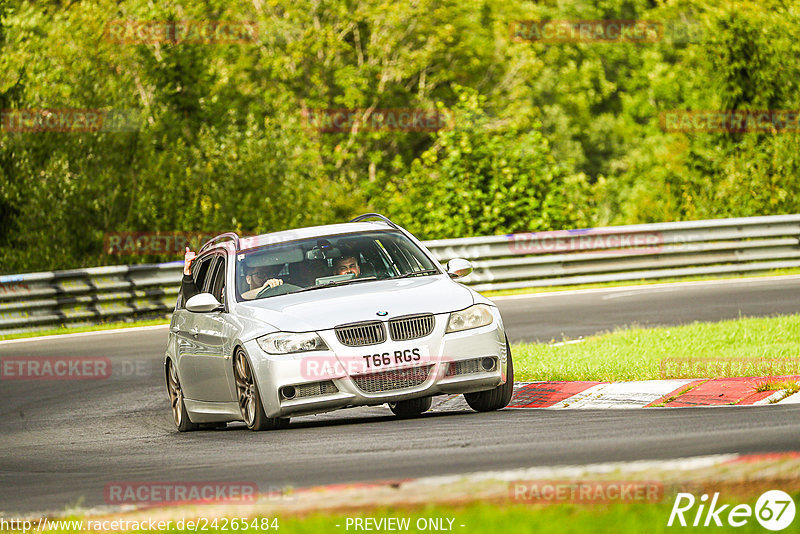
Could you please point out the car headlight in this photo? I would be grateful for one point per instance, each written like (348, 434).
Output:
(473, 317)
(288, 342)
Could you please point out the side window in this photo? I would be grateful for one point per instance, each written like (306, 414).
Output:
(217, 282)
(200, 272)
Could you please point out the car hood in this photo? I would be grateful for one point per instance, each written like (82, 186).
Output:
(323, 309)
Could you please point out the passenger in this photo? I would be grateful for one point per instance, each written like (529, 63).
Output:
(347, 264)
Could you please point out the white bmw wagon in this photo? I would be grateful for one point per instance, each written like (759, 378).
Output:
(315, 319)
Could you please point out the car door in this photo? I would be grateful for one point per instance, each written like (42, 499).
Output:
(205, 362)
(183, 327)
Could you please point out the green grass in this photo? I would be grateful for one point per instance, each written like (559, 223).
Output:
(641, 353)
(483, 518)
(640, 282)
(479, 518)
(87, 328)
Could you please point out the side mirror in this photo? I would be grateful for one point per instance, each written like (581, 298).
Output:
(458, 268)
(203, 303)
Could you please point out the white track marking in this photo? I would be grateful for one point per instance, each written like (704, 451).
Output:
(791, 399)
(622, 394)
(771, 399)
(647, 287)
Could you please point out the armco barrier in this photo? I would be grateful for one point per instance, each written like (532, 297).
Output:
(644, 251)
(37, 301)
(647, 251)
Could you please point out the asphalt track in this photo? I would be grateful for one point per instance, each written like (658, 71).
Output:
(61, 442)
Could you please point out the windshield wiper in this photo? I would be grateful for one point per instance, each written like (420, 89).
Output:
(423, 272)
(339, 283)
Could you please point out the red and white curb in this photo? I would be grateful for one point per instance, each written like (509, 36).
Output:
(677, 393)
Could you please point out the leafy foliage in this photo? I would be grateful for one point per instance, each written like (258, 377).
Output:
(543, 136)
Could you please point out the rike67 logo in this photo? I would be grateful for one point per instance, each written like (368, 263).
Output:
(774, 510)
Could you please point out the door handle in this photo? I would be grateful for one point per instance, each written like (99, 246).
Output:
(194, 331)
(174, 329)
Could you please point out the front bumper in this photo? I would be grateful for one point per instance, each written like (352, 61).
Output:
(457, 362)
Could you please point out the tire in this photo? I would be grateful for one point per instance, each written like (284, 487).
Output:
(249, 397)
(497, 398)
(411, 408)
(179, 414)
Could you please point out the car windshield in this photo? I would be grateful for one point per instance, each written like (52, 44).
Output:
(320, 262)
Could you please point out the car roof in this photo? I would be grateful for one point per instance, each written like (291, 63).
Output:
(283, 236)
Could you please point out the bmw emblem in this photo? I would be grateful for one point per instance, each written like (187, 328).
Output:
(383, 313)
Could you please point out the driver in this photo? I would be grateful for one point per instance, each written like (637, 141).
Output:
(260, 278)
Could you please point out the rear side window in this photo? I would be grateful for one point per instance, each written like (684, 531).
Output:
(217, 282)
(200, 272)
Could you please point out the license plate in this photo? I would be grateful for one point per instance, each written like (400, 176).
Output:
(396, 358)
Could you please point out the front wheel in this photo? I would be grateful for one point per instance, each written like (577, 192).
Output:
(179, 413)
(411, 408)
(497, 398)
(249, 397)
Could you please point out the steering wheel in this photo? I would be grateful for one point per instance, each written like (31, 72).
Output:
(278, 290)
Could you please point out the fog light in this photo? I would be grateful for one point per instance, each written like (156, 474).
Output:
(288, 392)
(487, 364)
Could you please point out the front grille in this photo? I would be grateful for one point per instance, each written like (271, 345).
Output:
(465, 367)
(361, 334)
(392, 380)
(313, 389)
(407, 328)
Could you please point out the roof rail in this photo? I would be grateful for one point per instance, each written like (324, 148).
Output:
(227, 236)
(375, 216)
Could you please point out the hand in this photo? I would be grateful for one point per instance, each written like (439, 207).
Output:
(272, 282)
(188, 258)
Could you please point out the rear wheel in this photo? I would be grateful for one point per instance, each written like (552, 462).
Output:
(411, 408)
(179, 413)
(250, 398)
(497, 398)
